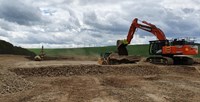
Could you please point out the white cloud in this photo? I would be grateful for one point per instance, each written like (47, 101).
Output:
(77, 23)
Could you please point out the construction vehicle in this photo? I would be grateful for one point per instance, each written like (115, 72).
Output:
(162, 51)
(112, 58)
(41, 56)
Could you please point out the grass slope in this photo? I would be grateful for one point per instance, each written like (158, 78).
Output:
(141, 50)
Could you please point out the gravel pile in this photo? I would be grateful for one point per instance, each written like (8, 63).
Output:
(69, 70)
(10, 82)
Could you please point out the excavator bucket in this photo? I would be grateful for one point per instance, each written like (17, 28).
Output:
(114, 58)
(121, 47)
(118, 58)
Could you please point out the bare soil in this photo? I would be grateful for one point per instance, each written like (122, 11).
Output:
(22, 80)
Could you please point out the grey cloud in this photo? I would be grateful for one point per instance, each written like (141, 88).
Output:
(97, 2)
(73, 18)
(21, 13)
(3, 33)
(178, 26)
(110, 24)
(6, 25)
(43, 38)
(188, 10)
(97, 35)
(68, 1)
(171, 21)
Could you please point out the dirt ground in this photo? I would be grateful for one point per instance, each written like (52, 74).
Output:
(22, 80)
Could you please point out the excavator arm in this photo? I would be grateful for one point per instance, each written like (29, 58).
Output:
(121, 44)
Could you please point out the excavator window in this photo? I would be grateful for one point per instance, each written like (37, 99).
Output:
(155, 47)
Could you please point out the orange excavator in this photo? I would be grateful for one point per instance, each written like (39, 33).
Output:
(162, 51)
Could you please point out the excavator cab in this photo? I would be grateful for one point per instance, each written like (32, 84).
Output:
(155, 47)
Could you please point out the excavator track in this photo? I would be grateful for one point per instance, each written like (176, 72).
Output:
(160, 60)
(183, 60)
(176, 60)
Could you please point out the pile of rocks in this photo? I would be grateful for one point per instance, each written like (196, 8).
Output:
(10, 82)
(69, 70)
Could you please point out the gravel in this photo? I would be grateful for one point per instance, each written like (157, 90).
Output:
(10, 82)
(70, 70)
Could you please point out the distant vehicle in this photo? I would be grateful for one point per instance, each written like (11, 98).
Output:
(41, 56)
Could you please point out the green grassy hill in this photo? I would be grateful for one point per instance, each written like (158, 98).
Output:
(8, 48)
(141, 50)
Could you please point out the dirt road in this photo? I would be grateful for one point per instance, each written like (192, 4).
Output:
(85, 81)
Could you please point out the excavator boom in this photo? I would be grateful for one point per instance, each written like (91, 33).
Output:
(121, 44)
(148, 27)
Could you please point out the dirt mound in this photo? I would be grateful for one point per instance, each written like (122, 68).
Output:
(10, 82)
(71, 58)
(183, 70)
(69, 70)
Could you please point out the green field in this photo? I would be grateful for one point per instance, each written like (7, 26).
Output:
(140, 50)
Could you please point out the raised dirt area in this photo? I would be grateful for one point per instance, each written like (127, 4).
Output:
(22, 80)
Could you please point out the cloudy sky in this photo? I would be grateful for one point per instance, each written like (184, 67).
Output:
(77, 23)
